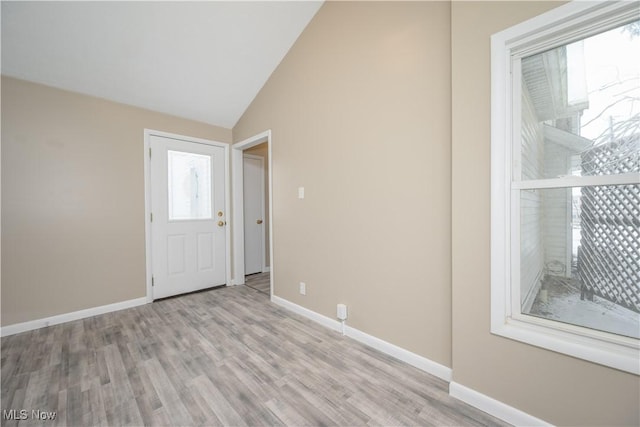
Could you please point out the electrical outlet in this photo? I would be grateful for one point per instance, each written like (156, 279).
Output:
(303, 288)
(342, 312)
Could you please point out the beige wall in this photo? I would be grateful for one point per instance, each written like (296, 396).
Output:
(262, 150)
(73, 199)
(556, 388)
(360, 116)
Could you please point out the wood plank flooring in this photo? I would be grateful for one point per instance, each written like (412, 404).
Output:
(221, 357)
(259, 282)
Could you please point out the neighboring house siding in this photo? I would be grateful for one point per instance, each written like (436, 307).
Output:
(531, 232)
(557, 202)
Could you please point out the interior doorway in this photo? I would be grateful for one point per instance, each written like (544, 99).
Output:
(258, 145)
(256, 220)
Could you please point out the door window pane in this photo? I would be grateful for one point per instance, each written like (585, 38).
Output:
(581, 107)
(580, 256)
(189, 186)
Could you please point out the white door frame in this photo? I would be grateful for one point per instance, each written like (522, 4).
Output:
(238, 204)
(147, 199)
(263, 237)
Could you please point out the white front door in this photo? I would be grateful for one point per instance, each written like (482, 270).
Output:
(253, 178)
(188, 236)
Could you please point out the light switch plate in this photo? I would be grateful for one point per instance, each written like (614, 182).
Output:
(300, 192)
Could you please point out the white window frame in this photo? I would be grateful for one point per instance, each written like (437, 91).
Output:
(571, 22)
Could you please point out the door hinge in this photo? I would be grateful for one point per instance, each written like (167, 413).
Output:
(151, 216)
(149, 152)
(152, 281)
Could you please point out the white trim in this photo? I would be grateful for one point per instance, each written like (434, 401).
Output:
(237, 175)
(238, 204)
(266, 269)
(596, 346)
(227, 209)
(263, 250)
(147, 199)
(572, 21)
(270, 186)
(415, 360)
(500, 178)
(567, 23)
(494, 407)
(147, 216)
(325, 321)
(392, 350)
(577, 181)
(69, 317)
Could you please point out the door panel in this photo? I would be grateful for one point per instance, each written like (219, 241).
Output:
(176, 254)
(253, 177)
(188, 240)
(206, 253)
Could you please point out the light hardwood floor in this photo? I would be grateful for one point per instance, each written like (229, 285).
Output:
(259, 282)
(220, 357)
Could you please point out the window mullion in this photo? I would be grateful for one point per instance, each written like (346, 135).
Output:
(577, 181)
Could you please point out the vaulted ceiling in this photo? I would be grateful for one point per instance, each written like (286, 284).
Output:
(204, 61)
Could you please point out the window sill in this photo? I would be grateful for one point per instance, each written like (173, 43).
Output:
(618, 353)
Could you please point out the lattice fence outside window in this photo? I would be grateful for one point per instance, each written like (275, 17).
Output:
(609, 255)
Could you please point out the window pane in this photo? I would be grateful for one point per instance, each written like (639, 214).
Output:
(581, 107)
(189, 185)
(580, 256)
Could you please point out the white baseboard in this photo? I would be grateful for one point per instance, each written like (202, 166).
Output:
(494, 407)
(392, 350)
(309, 314)
(420, 362)
(266, 269)
(68, 317)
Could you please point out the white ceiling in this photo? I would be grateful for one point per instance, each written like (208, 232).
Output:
(204, 61)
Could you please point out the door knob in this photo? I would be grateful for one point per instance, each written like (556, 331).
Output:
(259, 221)
(221, 223)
